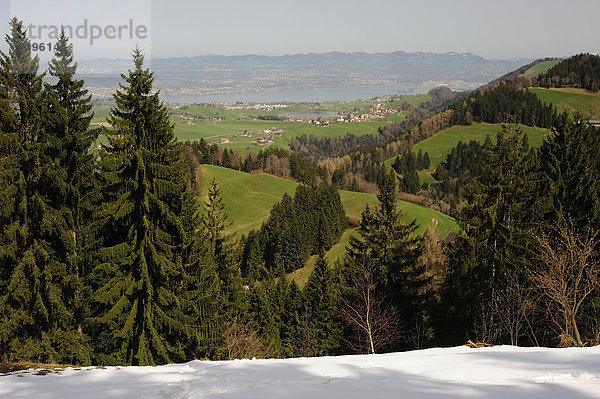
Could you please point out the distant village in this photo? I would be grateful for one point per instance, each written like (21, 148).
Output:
(370, 112)
(264, 136)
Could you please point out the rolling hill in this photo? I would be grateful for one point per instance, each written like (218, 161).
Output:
(249, 198)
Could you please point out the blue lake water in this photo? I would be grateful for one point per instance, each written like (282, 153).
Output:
(346, 93)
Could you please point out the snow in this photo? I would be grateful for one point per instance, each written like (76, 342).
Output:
(495, 372)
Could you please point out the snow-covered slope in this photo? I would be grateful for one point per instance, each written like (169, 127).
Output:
(497, 372)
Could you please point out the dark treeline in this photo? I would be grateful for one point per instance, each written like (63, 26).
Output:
(306, 225)
(276, 161)
(518, 75)
(528, 215)
(504, 103)
(580, 71)
(465, 163)
(357, 172)
(407, 166)
(317, 148)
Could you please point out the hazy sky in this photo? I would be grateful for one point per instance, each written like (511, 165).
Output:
(492, 29)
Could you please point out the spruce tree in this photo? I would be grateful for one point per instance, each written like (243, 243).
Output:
(222, 251)
(69, 106)
(321, 306)
(502, 211)
(426, 160)
(36, 300)
(393, 248)
(569, 167)
(136, 305)
(419, 160)
(201, 287)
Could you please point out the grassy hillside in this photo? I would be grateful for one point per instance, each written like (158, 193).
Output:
(338, 251)
(571, 100)
(440, 145)
(249, 198)
(354, 203)
(542, 67)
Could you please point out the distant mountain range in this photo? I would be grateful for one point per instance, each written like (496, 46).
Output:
(217, 74)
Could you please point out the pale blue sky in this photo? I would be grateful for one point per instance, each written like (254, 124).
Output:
(492, 29)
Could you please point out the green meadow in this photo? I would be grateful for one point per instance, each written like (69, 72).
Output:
(440, 145)
(234, 131)
(542, 67)
(249, 198)
(571, 100)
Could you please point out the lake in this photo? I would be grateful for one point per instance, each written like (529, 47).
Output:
(345, 93)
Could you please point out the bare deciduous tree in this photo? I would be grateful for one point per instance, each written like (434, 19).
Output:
(375, 322)
(243, 342)
(308, 337)
(566, 275)
(513, 309)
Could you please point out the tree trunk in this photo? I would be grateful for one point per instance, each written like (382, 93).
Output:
(576, 331)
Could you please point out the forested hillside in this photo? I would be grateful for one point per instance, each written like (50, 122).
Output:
(580, 71)
(120, 254)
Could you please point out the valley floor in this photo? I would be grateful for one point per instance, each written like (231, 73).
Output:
(496, 372)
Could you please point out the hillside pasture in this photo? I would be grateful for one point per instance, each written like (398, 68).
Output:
(542, 67)
(249, 198)
(571, 100)
(440, 145)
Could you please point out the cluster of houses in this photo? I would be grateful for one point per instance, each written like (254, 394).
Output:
(189, 119)
(377, 111)
(267, 136)
(254, 107)
(274, 132)
(263, 140)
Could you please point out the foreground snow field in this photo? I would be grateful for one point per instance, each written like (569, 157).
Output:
(496, 372)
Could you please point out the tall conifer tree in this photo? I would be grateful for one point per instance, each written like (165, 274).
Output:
(35, 305)
(138, 317)
(321, 306)
(569, 166)
(498, 219)
(69, 114)
(392, 246)
(221, 251)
